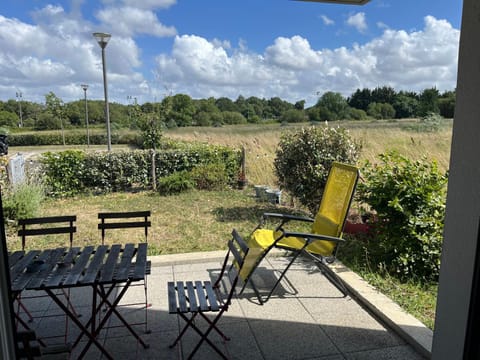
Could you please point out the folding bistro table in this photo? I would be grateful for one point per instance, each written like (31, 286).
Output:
(103, 268)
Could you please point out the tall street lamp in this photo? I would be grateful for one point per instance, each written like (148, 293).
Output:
(102, 39)
(85, 87)
(19, 97)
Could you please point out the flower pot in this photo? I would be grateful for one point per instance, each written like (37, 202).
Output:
(356, 228)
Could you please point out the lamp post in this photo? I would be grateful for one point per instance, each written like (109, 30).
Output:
(85, 87)
(19, 97)
(102, 39)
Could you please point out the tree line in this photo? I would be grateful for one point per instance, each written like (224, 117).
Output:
(379, 103)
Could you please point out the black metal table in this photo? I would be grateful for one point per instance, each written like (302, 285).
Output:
(103, 268)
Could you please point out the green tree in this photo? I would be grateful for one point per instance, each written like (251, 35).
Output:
(334, 105)
(300, 105)
(182, 109)
(233, 117)
(405, 105)
(381, 111)
(55, 106)
(226, 104)
(278, 106)
(8, 119)
(293, 116)
(428, 102)
(384, 94)
(360, 99)
(446, 104)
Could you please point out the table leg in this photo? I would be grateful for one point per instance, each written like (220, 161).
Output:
(77, 322)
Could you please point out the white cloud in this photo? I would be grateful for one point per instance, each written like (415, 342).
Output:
(292, 69)
(128, 21)
(326, 20)
(358, 21)
(58, 53)
(150, 4)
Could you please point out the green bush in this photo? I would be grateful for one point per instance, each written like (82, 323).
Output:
(175, 183)
(209, 176)
(71, 138)
(72, 172)
(23, 201)
(64, 172)
(303, 160)
(428, 123)
(409, 200)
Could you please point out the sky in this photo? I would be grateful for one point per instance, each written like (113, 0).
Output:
(216, 48)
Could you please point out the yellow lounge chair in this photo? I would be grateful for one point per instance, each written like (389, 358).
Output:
(326, 230)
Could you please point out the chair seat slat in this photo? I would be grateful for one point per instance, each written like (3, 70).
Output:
(211, 296)
(202, 297)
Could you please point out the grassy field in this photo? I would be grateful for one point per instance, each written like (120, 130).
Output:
(202, 221)
(376, 137)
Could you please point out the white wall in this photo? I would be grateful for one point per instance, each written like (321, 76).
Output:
(463, 199)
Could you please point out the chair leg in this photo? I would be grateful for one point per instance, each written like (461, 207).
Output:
(297, 253)
(203, 335)
(147, 305)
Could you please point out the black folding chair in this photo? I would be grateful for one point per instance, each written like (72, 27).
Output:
(188, 299)
(129, 220)
(46, 226)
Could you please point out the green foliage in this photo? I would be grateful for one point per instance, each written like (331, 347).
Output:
(428, 102)
(116, 171)
(23, 201)
(357, 114)
(446, 104)
(64, 172)
(151, 124)
(293, 116)
(231, 117)
(72, 172)
(332, 106)
(175, 183)
(8, 118)
(303, 160)
(405, 106)
(209, 176)
(71, 138)
(381, 110)
(409, 200)
(429, 123)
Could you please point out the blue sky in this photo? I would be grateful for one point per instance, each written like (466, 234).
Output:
(294, 50)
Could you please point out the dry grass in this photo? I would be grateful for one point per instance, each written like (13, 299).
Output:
(189, 222)
(376, 137)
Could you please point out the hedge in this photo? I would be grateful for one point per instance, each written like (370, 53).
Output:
(71, 172)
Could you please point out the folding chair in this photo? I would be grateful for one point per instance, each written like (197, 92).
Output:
(188, 299)
(326, 231)
(44, 226)
(129, 220)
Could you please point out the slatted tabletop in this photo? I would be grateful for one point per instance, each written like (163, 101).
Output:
(62, 267)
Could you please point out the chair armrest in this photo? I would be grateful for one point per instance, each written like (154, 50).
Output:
(312, 237)
(286, 217)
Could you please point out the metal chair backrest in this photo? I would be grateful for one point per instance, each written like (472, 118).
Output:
(51, 225)
(123, 220)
